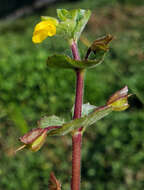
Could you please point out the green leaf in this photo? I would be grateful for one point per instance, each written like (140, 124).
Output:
(64, 61)
(86, 109)
(85, 121)
(63, 14)
(82, 19)
(50, 121)
(35, 138)
(65, 28)
(72, 22)
(67, 24)
(94, 56)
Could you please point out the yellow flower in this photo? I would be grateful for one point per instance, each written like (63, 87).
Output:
(44, 29)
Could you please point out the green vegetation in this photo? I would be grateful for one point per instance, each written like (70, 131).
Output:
(113, 150)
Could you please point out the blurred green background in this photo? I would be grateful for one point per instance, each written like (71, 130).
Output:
(113, 149)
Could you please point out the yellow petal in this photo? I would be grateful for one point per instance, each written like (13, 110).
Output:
(51, 30)
(39, 36)
(42, 30)
(43, 24)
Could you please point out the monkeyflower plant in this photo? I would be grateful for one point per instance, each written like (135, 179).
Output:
(69, 25)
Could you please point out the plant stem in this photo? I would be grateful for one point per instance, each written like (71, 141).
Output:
(76, 161)
(79, 94)
(75, 50)
(77, 135)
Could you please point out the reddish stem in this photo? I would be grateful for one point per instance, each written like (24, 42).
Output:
(77, 135)
(75, 51)
(79, 94)
(76, 161)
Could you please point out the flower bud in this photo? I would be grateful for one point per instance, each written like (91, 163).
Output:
(119, 100)
(34, 139)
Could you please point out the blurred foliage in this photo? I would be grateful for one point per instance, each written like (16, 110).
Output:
(113, 150)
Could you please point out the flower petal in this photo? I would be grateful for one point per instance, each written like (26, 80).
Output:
(42, 30)
(51, 30)
(43, 25)
(39, 36)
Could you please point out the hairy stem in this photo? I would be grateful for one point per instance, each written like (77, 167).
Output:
(77, 135)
